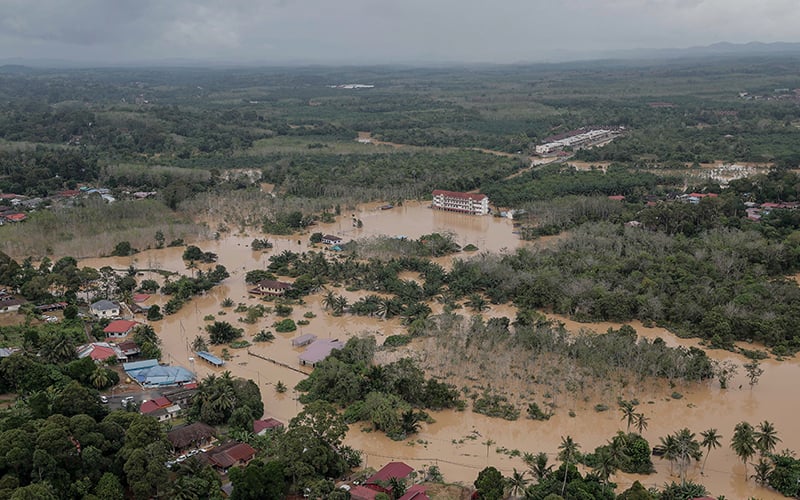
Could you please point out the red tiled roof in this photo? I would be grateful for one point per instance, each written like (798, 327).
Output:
(393, 469)
(190, 385)
(616, 197)
(100, 353)
(362, 493)
(119, 326)
(10, 196)
(241, 451)
(148, 407)
(141, 297)
(68, 193)
(416, 492)
(267, 423)
(457, 194)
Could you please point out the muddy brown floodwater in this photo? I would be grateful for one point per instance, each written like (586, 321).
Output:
(456, 442)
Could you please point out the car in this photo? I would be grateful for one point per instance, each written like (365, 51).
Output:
(103, 399)
(345, 487)
(181, 458)
(192, 453)
(126, 400)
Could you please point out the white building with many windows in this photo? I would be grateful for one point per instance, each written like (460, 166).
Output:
(470, 203)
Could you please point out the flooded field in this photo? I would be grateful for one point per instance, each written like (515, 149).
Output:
(462, 443)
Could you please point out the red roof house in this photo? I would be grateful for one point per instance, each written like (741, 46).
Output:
(15, 217)
(231, 454)
(391, 470)
(119, 328)
(140, 297)
(416, 492)
(362, 493)
(154, 404)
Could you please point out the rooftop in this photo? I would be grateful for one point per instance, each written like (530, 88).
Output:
(319, 350)
(458, 194)
(119, 326)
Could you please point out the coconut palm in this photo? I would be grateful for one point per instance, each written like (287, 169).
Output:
(710, 442)
(605, 463)
(409, 422)
(538, 464)
(477, 303)
(688, 449)
(517, 483)
(670, 446)
(628, 410)
(766, 438)
(566, 451)
(743, 443)
(329, 300)
(641, 422)
(99, 378)
(761, 471)
(339, 305)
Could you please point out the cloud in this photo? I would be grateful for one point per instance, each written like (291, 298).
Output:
(378, 30)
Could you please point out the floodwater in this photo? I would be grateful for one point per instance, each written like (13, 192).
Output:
(457, 441)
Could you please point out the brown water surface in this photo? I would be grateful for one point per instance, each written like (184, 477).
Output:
(457, 440)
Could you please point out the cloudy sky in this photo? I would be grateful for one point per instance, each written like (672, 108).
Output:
(375, 31)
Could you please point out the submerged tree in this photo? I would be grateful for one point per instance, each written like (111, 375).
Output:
(710, 442)
(743, 443)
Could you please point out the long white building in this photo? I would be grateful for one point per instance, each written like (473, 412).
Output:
(470, 203)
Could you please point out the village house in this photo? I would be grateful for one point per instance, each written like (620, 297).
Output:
(319, 350)
(9, 303)
(262, 427)
(454, 201)
(229, 455)
(271, 287)
(104, 309)
(183, 395)
(119, 328)
(196, 435)
(100, 352)
(330, 239)
(378, 482)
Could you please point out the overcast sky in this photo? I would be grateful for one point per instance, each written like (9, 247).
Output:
(375, 31)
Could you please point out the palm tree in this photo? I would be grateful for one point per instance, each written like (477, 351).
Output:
(628, 412)
(538, 464)
(641, 422)
(688, 448)
(761, 471)
(99, 378)
(710, 442)
(766, 438)
(517, 482)
(566, 451)
(670, 445)
(409, 422)
(743, 443)
(477, 303)
(339, 305)
(329, 300)
(605, 463)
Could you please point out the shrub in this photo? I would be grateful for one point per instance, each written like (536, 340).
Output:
(284, 326)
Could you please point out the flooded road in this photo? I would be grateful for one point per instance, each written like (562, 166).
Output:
(462, 443)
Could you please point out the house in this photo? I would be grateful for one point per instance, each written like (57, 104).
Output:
(271, 287)
(154, 404)
(104, 309)
(319, 350)
(330, 239)
(101, 351)
(230, 455)
(15, 217)
(416, 492)
(261, 427)
(129, 348)
(119, 328)
(304, 339)
(454, 201)
(196, 435)
(183, 395)
(379, 481)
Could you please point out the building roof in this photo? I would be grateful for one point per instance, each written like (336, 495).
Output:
(104, 305)
(303, 339)
(141, 297)
(331, 237)
(616, 197)
(100, 351)
(362, 493)
(277, 285)
(18, 217)
(416, 492)
(319, 350)
(119, 326)
(399, 470)
(139, 365)
(458, 194)
(266, 424)
(9, 301)
(7, 351)
(231, 454)
(210, 358)
(188, 434)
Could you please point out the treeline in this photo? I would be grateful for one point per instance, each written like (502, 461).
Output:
(557, 181)
(43, 171)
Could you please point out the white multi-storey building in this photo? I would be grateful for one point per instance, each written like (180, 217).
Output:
(471, 203)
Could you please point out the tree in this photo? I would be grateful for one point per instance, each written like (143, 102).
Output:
(641, 422)
(754, 371)
(688, 448)
(724, 372)
(477, 303)
(154, 313)
(109, 487)
(743, 443)
(123, 249)
(199, 344)
(159, 237)
(766, 438)
(222, 332)
(711, 441)
(259, 480)
(537, 464)
(490, 484)
(566, 452)
(761, 471)
(628, 412)
(517, 482)
(100, 378)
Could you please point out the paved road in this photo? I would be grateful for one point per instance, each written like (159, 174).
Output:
(139, 396)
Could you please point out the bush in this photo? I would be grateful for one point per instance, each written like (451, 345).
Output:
(396, 340)
(285, 326)
(264, 336)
